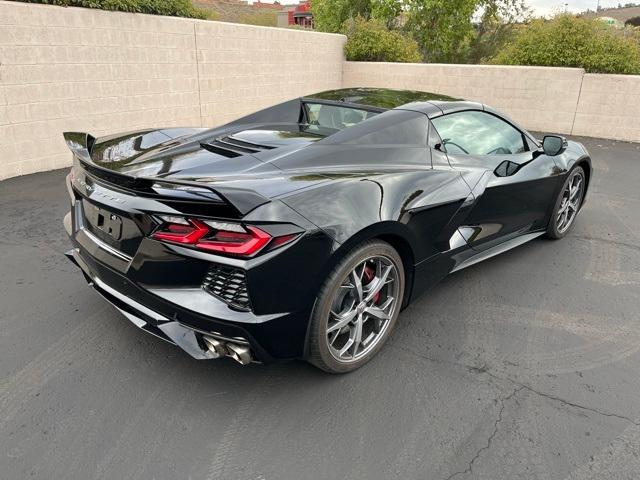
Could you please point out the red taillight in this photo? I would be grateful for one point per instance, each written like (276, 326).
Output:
(235, 242)
(238, 240)
(188, 232)
(282, 240)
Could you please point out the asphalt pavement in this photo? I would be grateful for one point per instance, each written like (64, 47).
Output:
(525, 366)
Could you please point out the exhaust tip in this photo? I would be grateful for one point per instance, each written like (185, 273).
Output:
(214, 345)
(239, 353)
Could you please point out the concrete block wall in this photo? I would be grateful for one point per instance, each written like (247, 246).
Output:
(243, 68)
(106, 72)
(89, 70)
(76, 69)
(609, 107)
(539, 98)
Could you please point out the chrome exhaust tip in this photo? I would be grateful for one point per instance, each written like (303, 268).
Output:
(239, 353)
(215, 345)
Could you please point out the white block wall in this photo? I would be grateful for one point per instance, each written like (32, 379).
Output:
(105, 72)
(609, 107)
(244, 68)
(76, 69)
(539, 98)
(88, 70)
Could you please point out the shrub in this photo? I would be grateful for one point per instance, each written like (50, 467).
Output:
(567, 41)
(172, 8)
(634, 22)
(268, 18)
(371, 41)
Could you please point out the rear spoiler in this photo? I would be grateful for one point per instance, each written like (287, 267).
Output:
(242, 200)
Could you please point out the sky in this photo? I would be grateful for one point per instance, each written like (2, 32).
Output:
(546, 7)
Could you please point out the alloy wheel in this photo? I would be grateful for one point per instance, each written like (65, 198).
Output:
(362, 308)
(570, 203)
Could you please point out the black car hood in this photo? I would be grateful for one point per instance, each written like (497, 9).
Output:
(287, 158)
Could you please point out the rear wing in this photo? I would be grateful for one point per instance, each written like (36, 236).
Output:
(242, 200)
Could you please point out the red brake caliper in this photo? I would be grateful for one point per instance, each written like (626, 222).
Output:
(369, 275)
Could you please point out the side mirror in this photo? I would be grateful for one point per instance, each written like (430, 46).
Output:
(554, 145)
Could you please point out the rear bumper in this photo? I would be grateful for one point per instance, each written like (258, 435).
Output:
(142, 317)
(159, 287)
(187, 317)
(263, 339)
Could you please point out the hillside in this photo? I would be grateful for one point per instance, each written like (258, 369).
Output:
(620, 14)
(240, 11)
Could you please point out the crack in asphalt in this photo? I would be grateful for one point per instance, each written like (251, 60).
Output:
(503, 402)
(483, 369)
(575, 405)
(607, 241)
(553, 397)
(519, 386)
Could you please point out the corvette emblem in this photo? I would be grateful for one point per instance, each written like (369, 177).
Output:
(91, 190)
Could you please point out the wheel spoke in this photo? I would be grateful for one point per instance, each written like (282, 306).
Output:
(342, 320)
(574, 192)
(335, 337)
(357, 336)
(347, 346)
(379, 312)
(357, 282)
(562, 208)
(379, 283)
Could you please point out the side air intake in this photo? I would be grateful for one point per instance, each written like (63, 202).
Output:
(229, 284)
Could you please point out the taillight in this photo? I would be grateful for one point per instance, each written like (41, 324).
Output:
(180, 230)
(213, 236)
(236, 243)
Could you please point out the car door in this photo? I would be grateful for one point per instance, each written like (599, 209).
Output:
(512, 181)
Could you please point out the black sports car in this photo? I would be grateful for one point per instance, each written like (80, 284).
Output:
(302, 230)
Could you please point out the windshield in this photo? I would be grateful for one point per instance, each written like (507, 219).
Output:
(321, 117)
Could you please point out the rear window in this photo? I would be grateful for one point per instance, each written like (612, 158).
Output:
(393, 127)
(333, 118)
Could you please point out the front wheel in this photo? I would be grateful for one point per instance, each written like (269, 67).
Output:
(567, 204)
(356, 308)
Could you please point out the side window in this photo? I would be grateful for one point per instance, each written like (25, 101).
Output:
(332, 117)
(478, 133)
(434, 138)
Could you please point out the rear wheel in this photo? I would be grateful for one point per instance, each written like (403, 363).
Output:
(357, 308)
(567, 204)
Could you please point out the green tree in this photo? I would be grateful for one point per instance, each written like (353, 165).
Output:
(330, 15)
(442, 28)
(567, 41)
(499, 21)
(387, 11)
(370, 40)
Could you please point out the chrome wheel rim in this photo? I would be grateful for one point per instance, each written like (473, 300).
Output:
(570, 203)
(362, 309)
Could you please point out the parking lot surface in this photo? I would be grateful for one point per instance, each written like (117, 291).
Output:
(523, 366)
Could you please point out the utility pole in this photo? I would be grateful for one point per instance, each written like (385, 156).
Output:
(598, 7)
(566, 7)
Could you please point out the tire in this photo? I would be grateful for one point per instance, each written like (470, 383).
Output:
(556, 228)
(340, 298)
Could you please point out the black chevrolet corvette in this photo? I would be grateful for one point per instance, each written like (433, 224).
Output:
(302, 230)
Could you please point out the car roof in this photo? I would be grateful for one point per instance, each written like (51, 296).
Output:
(432, 104)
